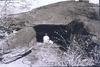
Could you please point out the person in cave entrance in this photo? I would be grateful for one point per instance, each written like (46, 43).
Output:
(46, 39)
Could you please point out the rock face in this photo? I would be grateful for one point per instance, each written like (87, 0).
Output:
(16, 54)
(22, 38)
(77, 39)
(84, 0)
(57, 14)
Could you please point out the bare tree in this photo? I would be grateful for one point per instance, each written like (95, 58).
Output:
(4, 11)
(8, 7)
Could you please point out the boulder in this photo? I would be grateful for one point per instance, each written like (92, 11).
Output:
(16, 54)
(22, 38)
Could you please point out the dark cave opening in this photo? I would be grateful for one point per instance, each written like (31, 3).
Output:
(49, 29)
(57, 33)
(63, 35)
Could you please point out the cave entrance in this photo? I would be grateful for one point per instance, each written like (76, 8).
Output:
(63, 35)
(49, 29)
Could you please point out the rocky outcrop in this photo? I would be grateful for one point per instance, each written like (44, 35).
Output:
(22, 38)
(77, 39)
(61, 13)
(58, 13)
(15, 54)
